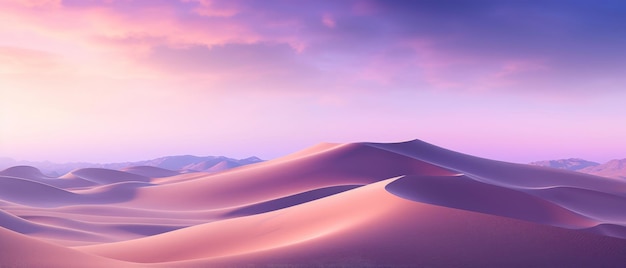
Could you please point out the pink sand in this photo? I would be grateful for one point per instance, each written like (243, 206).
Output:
(359, 204)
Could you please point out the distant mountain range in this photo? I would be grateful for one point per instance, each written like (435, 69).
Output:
(406, 204)
(190, 163)
(612, 169)
(180, 163)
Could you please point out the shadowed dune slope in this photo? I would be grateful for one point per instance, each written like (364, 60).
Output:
(17, 224)
(593, 200)
(32, 193)
(288, 201)
(464, 193)
(350, 164)
(25, 172)
(18, 250)
(34, 174)
(150, 172)
(25, 226)
(501, 173)
(107, 176)
(408, 204)
(370, 226)
(548, 196)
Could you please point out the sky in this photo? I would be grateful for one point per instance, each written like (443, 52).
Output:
(122, 80)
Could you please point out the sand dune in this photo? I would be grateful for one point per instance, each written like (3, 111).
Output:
(368, 220)
(34, 174)
(350, 164)
(32, 193)
(288, 201)
(107, 176)
(18, 250)
(150, 172)
(25, 172)
(109, 223)
(18, 224)
(32, 226)
(464, 193)
(613, 169)
(501, 173)
(363, 204)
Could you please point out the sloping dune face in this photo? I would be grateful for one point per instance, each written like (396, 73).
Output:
(406, 204)
(150, 172)
(26, 172)
(107, 176)
(21, 251)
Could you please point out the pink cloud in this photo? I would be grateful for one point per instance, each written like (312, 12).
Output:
(14, 60)
(37, 3)
(440, 68)
(512, 73)
(162, 23)
(211, 9)
(328, 20)
(514, 67)
(116, 31)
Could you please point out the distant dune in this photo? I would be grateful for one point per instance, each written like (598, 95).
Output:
(177, 163)
(409, 204)
(150, 172)
(574, 164)
(25, 172)
(613, 169)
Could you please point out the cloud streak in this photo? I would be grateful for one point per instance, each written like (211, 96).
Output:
(247, 57)
(439, 38)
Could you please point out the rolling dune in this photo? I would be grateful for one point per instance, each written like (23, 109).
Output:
(108, 176)
(150, 172)
(408, 204)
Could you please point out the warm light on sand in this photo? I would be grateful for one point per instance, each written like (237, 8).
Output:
(91, 89)
(408, 203)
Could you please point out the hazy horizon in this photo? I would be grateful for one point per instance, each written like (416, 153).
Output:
(262, 158)
(113, 81)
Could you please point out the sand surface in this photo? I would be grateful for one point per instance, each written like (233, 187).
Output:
(408, 204)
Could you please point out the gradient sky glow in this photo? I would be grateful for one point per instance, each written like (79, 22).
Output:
(118, 80)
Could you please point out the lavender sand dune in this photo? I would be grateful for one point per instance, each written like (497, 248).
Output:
(363, 204)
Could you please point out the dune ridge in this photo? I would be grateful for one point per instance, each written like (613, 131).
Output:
(364, 204)
(150, 171)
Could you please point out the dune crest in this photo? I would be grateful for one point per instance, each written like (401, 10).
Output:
(150, 172)
(360, 204)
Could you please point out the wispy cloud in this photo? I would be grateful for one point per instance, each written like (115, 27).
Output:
(482, 38)
(318, 58)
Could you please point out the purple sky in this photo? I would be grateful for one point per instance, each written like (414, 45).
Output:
(117, 80)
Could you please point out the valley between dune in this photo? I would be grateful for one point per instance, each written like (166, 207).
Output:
(409, 204)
